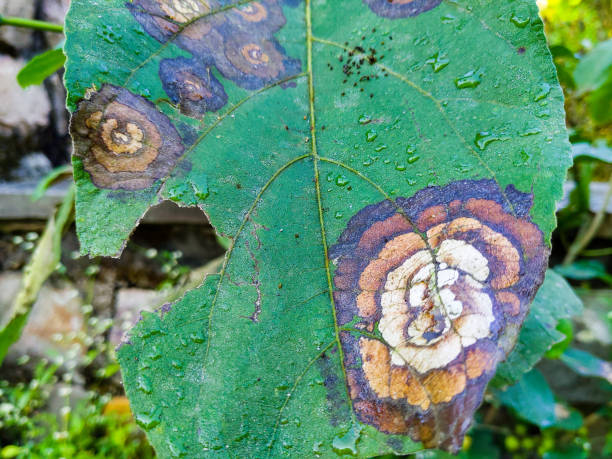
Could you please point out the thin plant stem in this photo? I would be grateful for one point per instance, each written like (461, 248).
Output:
(31, 24)
(585, 237)
(597, 252)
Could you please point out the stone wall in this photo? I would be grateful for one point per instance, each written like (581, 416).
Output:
(33, 122)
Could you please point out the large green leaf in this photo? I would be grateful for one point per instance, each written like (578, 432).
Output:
(330, 142)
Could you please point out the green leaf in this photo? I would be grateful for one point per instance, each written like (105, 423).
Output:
(318, 138)
(43, 262)
(566, 327)
(555, 301)
(593, 70)
(531, 399)
(49, 179)
(584, 270)
(587, 364)
(40, 67)
(599, 102)
(598, 150)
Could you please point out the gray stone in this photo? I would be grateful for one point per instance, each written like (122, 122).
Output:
(14, 37)
(54, 11)
(21, 109)
(23, 115)
(129, 304)
(55, 325)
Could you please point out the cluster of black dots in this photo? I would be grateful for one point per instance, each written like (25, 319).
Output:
(358, 63)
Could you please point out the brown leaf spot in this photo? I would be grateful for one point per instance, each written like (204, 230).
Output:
(376, 365)
(510, 302)
(374, 235)
(507, 265)
(527, 233)
(402, 247)
(366, 304)
(405, 386)
(442, 385)
(431, 216)
(477, 362)
(373, 275)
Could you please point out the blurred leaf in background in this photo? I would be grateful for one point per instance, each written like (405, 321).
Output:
(41, 67)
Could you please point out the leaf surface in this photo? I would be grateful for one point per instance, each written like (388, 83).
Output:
(373, 164)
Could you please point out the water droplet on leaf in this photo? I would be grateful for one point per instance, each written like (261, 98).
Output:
(365, 119)
(530, 131)
(469, 80)
(347, 443)
(148, 420)
(520, 20)
(144, 384)
(542, 93)
(197, 338)
(484, 138)
(341, 180)
(438, 61)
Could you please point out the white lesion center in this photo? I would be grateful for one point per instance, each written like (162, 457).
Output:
(435, 304)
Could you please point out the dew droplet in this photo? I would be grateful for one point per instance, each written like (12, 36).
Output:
(365, 119)
(371, 135)
(144, 384)
(197, 338)
(438, 61)
(341, 180)
(338, 215)
(413, 159)
(543, 114)
(380, 148)
(200, 192)
(530, 131)
(176, 448)
(470, 79)
(154, 353)
(484, 138)
(520, 20)
(400, 167)
(542, 92)
(347, 443)
(148, 420)
(316, 448)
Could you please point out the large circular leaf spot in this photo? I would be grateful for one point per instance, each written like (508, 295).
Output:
(123, 140)
(434, 281)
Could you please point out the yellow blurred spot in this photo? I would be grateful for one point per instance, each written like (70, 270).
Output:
(467, 443)
(119, 405)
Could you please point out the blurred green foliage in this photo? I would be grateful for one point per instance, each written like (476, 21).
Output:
(86, 430)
